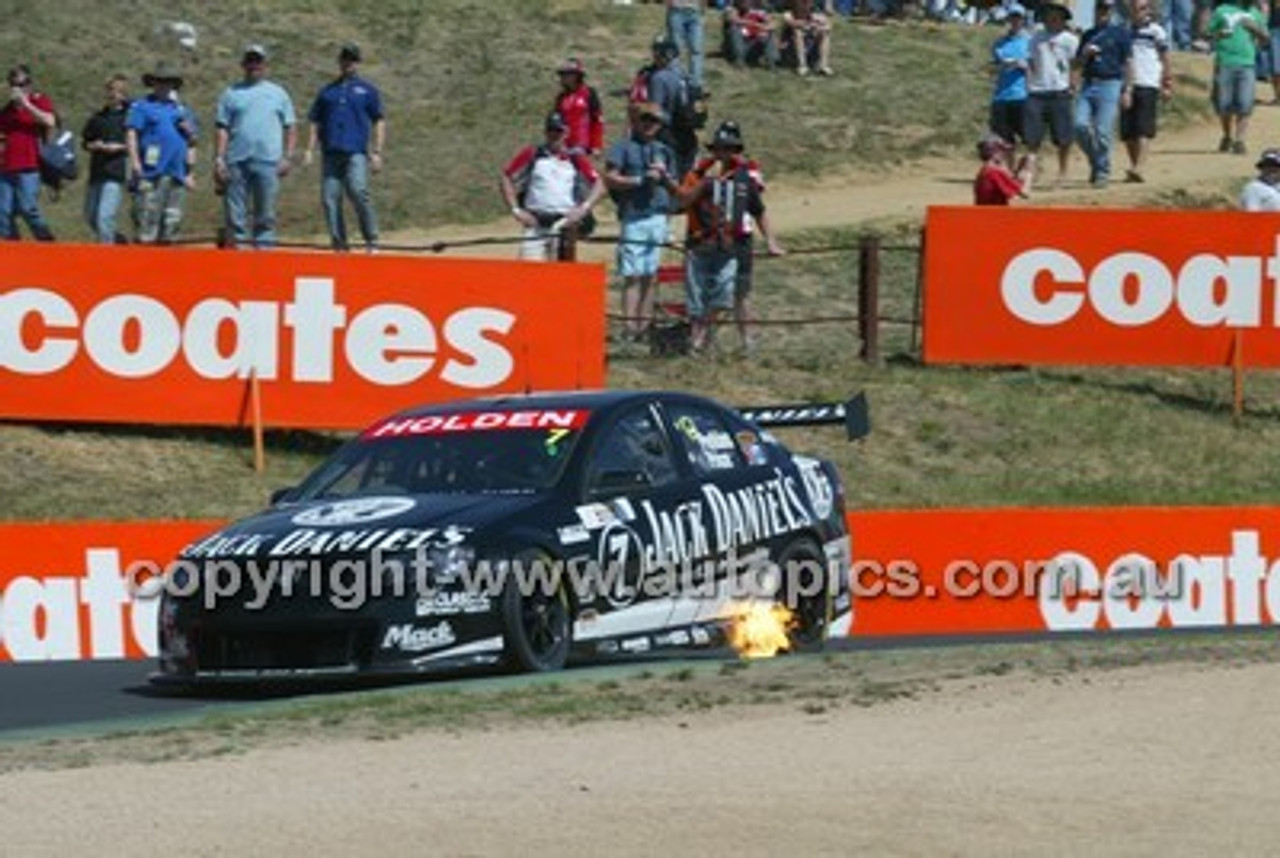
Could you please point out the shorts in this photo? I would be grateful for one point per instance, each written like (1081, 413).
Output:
(1052, 112)
(1007, 120)
(640, 247)
(709, 277)
(1233, 88)
(745, 251)
(1140, 119)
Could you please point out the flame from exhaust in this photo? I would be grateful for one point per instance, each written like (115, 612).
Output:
(759, 630)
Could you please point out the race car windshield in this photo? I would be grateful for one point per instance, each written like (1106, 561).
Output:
(519, 460)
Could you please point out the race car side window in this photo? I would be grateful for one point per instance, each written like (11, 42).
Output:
(704, 438)
(632, 455)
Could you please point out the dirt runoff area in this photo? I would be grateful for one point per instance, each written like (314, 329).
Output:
(1170, 757)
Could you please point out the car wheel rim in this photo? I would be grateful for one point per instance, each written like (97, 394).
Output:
(543, 620)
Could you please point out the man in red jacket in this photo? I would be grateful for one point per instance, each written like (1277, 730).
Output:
(25, 117)
(579, 106)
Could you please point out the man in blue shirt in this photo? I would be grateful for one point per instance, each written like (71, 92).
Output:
(1105, 62)
(641, 173)
(1009, 58)
(346, 117)
(161, 140)
(257, 135)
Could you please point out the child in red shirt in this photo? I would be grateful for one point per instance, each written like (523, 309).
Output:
(996, 183)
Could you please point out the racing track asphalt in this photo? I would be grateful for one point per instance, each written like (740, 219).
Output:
(52, 698)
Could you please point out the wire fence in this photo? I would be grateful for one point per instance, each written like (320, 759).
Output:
(862, 292)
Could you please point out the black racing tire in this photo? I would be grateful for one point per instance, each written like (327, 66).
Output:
(799, 562)
(538, 626)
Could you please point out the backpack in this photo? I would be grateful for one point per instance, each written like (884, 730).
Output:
(690, 112)
(58, 161)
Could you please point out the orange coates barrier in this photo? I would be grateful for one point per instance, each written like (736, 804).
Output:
(64, 594)
(173, 335)
(1098, 286)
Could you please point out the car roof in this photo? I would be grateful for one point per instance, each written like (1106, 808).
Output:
(590, 400)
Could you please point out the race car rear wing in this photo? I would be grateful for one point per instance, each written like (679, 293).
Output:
(855, 414)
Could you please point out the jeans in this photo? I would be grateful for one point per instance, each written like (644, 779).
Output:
(101, 203)
(1097, 107)
(1177, 22)
(684, 26)
(252, 189)
(758, 51)
(20, 198)
(347, 172)
(158, 209)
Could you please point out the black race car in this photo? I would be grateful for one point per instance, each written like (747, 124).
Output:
(523, 530)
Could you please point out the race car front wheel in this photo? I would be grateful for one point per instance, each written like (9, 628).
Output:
(537, 617)
(805, 594)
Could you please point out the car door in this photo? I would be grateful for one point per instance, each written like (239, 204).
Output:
(631, 484)
(712, 448)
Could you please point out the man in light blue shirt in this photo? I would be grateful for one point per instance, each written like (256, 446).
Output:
(257, 135)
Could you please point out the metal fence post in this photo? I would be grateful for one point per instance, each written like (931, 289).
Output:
(869, 297)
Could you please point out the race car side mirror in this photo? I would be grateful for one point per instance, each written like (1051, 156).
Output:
(857, 418)
(281, 495)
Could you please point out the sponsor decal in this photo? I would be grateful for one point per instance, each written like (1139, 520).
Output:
(675, 637)
(1093, 286)
(92, 334)
(450, 604)
(573, 534)
(410, 638)
(609, 647)
(356, 511)
(817, 486)
(310, 541)
(699, 635)
(636, 645)
(480, 421)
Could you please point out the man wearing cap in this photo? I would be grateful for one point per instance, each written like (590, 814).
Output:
(104, 138)
(1009, 57)
(1105, 61)
(664, 84)
(722, 195)
(641, 173)
(347, 121)
(549, 188)
(1262, 194)
(161, 138)
(257, 135)
(1049, 108)
(579, 107)
(25, 117)
(997, 182)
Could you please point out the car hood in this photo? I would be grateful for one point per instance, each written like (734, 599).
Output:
(362, 525)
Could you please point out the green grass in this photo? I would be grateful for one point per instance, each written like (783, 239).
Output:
(467, 82)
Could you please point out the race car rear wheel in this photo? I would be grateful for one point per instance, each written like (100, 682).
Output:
(804, 592)
(538, 624)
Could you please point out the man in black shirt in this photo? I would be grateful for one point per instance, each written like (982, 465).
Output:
(104, 139)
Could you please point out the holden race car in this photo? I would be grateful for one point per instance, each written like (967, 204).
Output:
(521, 530)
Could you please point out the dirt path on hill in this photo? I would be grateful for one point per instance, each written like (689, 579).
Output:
(1185, 160)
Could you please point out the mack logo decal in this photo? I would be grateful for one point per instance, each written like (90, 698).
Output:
(411, 638)
(356, 511)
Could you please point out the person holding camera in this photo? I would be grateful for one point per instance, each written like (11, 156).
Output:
(161, 139)
(25, 119)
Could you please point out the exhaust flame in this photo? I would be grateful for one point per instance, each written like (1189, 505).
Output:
(759, 630)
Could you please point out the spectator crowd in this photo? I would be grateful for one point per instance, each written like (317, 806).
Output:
(1077, 89)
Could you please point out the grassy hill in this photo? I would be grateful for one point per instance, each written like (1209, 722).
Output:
(467, 82)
